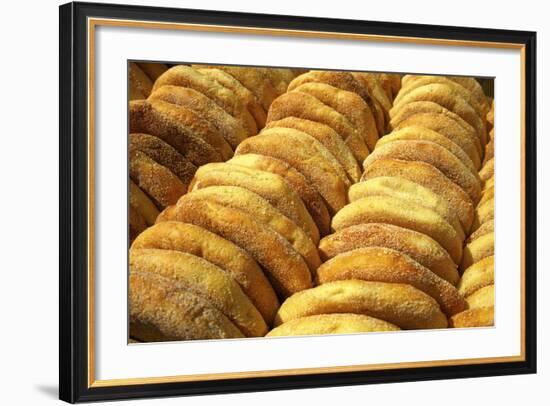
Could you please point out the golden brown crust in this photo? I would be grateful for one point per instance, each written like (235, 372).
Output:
(380, 264)
(445, 96)
(202, 243)
(228, 126)
(438, 118)
(418, 133)
(409, 191)
(284, 267)
(142, 204)
(399, 304)
(476, 317)
(312, 199)
(385, 209)
(457, 89)
(477, 276)
(476, 250)
(144, 118)
(270, 186)
(140, 85)
(303, 153)
(248, 98)
(195, 124)
(338, 323)
(484, 212)
(446, 126)
(472, 85)
(488, 170)
(206, 280)
(391, 83)
(164, 154)
(326, 136)
(161, 311)
(345, 81)
(374, 85)
(156, 180)
(303, 105)
(254, 80)
(418, 246)
(433, 154)
(429, 177)
(186, 76)
(263, 212)
(484, 297)
(349, 104)
(485, 228)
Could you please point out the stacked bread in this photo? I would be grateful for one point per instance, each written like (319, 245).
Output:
(477, 284)
(397, 245)
(184, 117)
(270, 203)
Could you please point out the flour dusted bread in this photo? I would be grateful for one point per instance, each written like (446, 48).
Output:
(399, 304)
(391, 210)
(387, 265)
(313, 201)
(206, 280)
(161, 311)
(338, 323)
(477, 276)
(476, 317)
(260, 209)
(305, 106)
(227, 256)
(228, 126)
(418, 246)
(431, 178)
(284, 266)
(270, 186)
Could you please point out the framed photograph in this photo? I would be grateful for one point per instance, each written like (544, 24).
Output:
(257, 202)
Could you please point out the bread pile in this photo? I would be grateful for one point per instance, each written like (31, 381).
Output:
(302, 217)
(184, 117)
(477, 284)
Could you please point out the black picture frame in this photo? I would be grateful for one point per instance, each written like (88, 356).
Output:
(73, 254)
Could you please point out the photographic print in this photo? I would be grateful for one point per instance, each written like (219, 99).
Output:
(286, 201)
(257, 202)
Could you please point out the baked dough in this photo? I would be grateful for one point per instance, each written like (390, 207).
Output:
(418, 133)
(431, 178)
(156, 180)
(186, 76)
(338, 323)
(391, 210)
(476, 317)
(484, 297)
(349, 104)
(146, 119)
(142, 204)
(477, 276)
(303, 105)
(312, 199)
(271, 187)
(164, 154)
(409, 191)
(263, 212)
(326, 136)
(387, 265)
(478, 249)
(228, 126)
(283, 265)
(252, 104)
(305, 154)
(206, 280)
(140, 85)
(399, 304)
(227, 256)
(435, 155)
(161, 311)
(423, 249)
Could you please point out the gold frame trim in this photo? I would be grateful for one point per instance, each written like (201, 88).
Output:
(94, 22)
